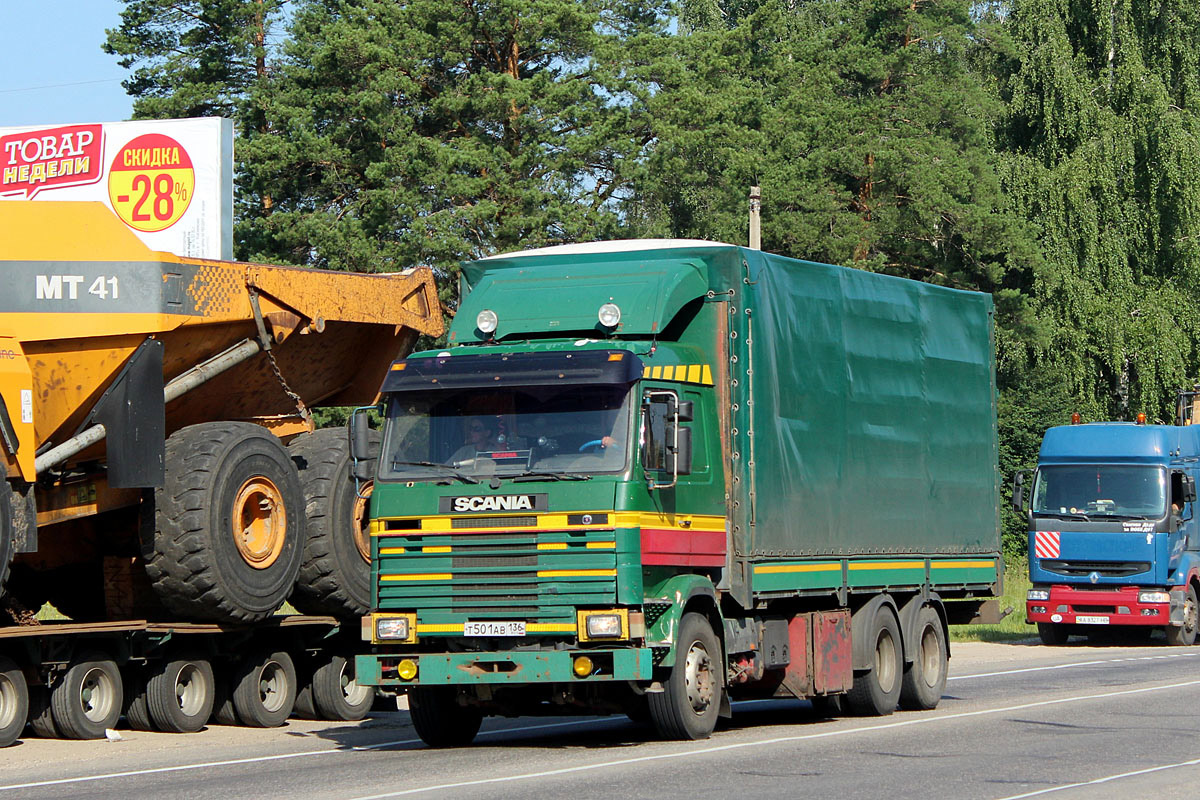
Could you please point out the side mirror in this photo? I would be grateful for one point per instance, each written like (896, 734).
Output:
(1018, 492)
(360, 445)
(1186, 489)
(679, 457)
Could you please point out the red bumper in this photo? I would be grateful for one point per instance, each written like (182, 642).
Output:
(1069, 605)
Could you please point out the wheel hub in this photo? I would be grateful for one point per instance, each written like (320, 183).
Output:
(362, 521)
(699, 678)
(259, 522)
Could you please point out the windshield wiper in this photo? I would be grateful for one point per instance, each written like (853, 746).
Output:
(1123, 517)
(550, 476)
(1076, 515)
(445, 469)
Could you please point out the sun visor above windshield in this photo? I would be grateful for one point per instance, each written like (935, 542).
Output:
(513, 369)
(545, 296)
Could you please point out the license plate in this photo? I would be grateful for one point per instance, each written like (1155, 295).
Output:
(493, 629)
(1092, 620)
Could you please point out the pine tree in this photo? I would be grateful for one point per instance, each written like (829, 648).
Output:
(429, 132)
(194, 58)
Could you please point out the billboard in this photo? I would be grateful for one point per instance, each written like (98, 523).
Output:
(170, 181)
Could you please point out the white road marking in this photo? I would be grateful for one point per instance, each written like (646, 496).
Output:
(1071, 665)
(1106, 779)
(925, 720)
(548, 726)
(277, 757)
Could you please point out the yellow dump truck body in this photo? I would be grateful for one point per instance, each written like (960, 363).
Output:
(79, 294)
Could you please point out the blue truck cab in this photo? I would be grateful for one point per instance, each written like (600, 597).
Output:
(1113, 537)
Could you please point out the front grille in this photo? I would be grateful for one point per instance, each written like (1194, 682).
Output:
(450, 577)
(492, 522)
(1106, 569)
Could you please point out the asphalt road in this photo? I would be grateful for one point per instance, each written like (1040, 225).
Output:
(1017, 721)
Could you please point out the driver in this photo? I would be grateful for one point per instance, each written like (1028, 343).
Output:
(479, 436)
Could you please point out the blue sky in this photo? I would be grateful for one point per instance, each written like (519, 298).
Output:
(51, 67)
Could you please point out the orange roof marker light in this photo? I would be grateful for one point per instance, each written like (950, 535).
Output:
(1076, 419)
(1141, 418)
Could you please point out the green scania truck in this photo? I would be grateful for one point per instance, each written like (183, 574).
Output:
(649, 477)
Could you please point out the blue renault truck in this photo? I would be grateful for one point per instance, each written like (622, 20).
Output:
(1113, 539)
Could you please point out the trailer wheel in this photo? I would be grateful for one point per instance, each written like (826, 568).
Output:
(180, 694)
(1185, 634)
(691, 700)
(14, 701)
(41, 720)
(438, 718)
(925, 680)
(223, 712)
(87, 699)
(264, 690)
(337, 695)
(304, 707)
(136, 710)
(335, 573)
(226, 534)
(877, 690)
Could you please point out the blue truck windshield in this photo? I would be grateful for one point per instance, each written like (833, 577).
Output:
(1101, 490)
(536, 432)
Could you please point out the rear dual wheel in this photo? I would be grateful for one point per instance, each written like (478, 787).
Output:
(876, 690)
(925, 679)
(14, 701)
(87, 699)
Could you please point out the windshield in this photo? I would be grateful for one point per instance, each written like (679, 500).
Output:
(1101, 490)
(536, 431)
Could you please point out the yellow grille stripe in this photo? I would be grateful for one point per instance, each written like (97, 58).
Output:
(436, 549)
(430, 576)
(552, 546)
(391, 551)
(577, 573)
(601, 545)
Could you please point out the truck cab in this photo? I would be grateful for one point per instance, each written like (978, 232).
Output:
(1112, 531)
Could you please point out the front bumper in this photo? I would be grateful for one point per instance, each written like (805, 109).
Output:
(504, 667)
(1074, 606)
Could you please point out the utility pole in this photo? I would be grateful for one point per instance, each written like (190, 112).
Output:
(756, 218)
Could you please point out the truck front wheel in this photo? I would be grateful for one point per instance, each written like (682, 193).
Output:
(1052, 633)
(14, 701)
(687, 708)
(1185, 634)
(438, 718)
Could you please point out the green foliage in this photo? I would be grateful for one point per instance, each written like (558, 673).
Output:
(1100, 147)
(193, 58)
(862, 121)
(428, 132)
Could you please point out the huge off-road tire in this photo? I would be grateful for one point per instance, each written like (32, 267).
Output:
(224, 536)
(7, 530)
(688, 706)
(335, 573)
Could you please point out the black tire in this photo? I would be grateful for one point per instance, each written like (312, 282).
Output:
(691, 701)
(827, 706)
(337, 695)
(8, 528)
(264, 690)
(1185, 635)
(180, 695)
(1053, 633)
(876, 690)
(87, 699)
(223, 712)
(222, 476)
(439, 719)
(925, 679)
(136, 710)
(41, 720)
(304, 707)
(14, 701)
(335, 573)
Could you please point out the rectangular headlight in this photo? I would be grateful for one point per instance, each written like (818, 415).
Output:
(604, 626)
(1037, 594)
(392, 628)
(1154, 597)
